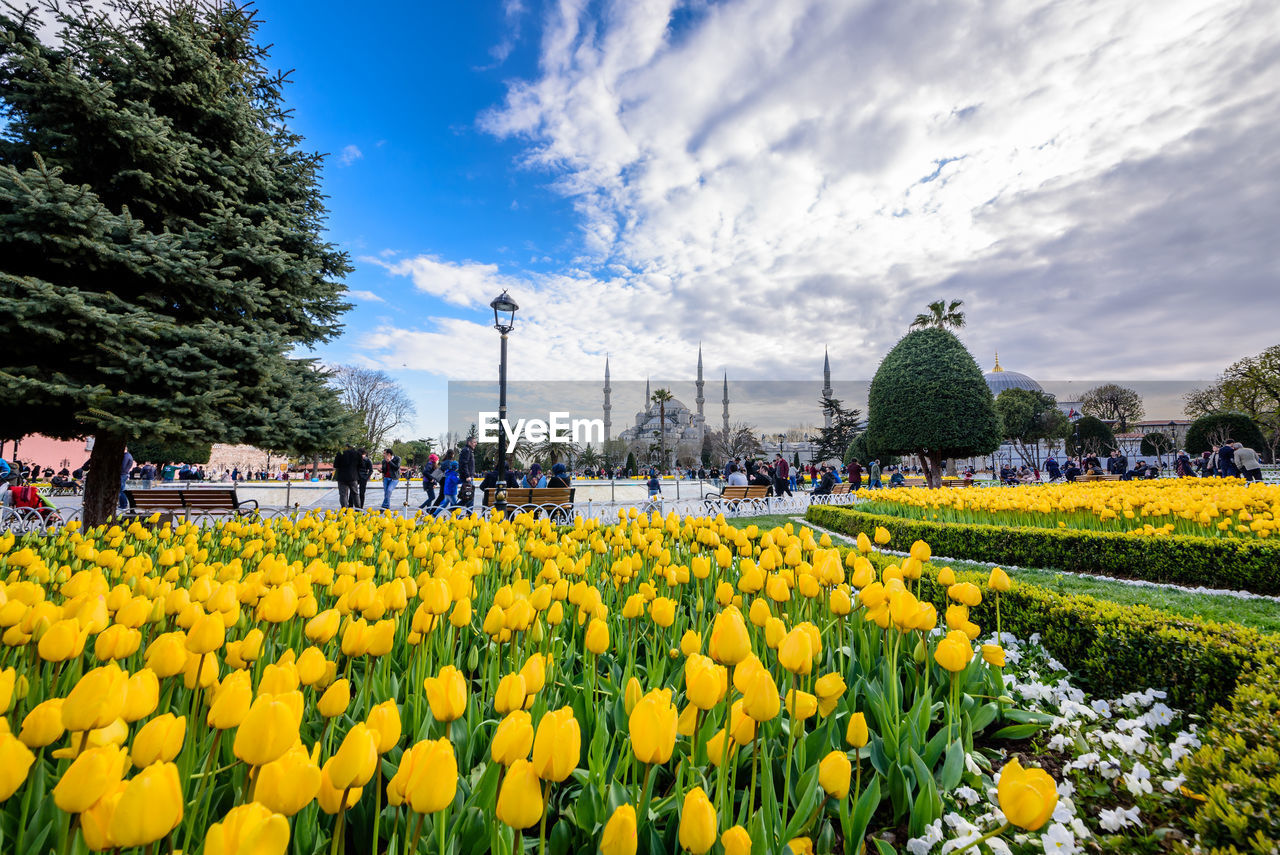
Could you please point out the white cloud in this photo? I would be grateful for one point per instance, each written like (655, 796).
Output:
(350, 154)
(1092, 178)
(366, 296)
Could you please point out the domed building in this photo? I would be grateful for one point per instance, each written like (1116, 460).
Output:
(999, 380)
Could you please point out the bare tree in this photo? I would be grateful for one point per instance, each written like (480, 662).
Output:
(379, 404)
(739, 441)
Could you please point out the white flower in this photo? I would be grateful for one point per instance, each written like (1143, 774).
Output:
(1101, 707)
(968, 795)
(1059, 840)
(999, 847)
(924, 844)
(1118, 818)
(971, 766)
(1138, 781)
(1055, 665)
(1064, 811)
(1158, 715)
(1059, 741)
(1066, 789)
(1078, 826)
(1173, 783)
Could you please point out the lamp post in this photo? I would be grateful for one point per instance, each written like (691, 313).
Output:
(504, 320)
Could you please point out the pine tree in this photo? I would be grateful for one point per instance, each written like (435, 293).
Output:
(845, 425)
(160, 237)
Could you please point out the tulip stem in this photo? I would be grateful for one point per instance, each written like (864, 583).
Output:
(440, 828)
(542, 825)
(983, 839)
(198, 803)
(643, 817)
(417, 833)
(377, 807)
(791, 743)
(336, 845)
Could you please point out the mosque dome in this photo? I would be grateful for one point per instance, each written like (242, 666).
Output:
(998, 380)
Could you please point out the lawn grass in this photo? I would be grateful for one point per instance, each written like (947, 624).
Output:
(1260, 614)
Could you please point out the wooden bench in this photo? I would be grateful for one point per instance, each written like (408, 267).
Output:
(957, 482)
(731, 498)
(217, 501)
(558, 501)
(841, 489)
(1099, 477)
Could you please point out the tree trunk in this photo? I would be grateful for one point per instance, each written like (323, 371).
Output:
(932, 464)
(102, 483)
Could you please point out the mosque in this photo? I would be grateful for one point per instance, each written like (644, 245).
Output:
(684, 430)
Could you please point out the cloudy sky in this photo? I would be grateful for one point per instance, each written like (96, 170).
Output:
(1098, 181)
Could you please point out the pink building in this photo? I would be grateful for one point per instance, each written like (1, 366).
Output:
(47, 452)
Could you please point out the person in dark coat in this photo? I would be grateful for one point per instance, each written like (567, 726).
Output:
(365, 473)
(346, 471)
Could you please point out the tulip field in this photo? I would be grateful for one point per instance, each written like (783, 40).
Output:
(1207, 507)
(367, 683)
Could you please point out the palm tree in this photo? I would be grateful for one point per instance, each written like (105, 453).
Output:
(660, 397)
(590, 458)
(942, 315)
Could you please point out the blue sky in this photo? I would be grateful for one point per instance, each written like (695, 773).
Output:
(771, 177)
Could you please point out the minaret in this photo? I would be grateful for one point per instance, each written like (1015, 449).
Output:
(726, 404)
(700, 399)
(647, 396)
(608, 407)
(826, 383)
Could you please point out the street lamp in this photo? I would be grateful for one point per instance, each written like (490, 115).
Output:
(504, 320)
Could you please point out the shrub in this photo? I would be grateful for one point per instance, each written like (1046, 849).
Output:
(1208, 432)
(1251, 565)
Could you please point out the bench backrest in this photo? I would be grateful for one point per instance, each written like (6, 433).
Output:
(156, 499)
(201, 499)
(841, 488)
(206, 498)
(532, 496)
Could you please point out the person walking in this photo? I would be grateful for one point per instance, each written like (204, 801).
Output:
(126, 466)
(390, 476)
(873, 476)
(346, 471)
(467, 461)
(781, 476)
(1227, 461)
(429, 479)
(1246, 460)
(365, 473)
(855, 474)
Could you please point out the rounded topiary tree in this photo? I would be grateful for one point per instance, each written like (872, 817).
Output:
(1156, 444)
(170, 451)
(928, 398)
(1090, 435)
(1208, 432)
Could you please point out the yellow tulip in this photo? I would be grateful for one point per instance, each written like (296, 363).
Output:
(433, 776)
(760, 700)
(43, 725)
(619, 836)
(801, 705)
(631, 695)
(965, 592)
(95, 823)
(355, 761)
(142, 695)
(335, 699)
(15, 762)
(652, 726)
(288, 784)
(250, 828)
(829, 688)
(597, 638)
(705, 682)
(795, 652)
(698, 829)
(90, 776)
(269, 729)
(954, 652)
(167, 655)
(510, 694)
(993, 654)
(999, 580)
(159, 740)
(881, 535)
(206, 635)
(834, 772)
(513, 738)
(311, 666)
(736, 840)
(946, 577)
(150, 807)
(384, 722)
(557, 746)
(447, 694)
(663, 611)
(730, 643)
(534, 673)
(800, 846)
(330, 797)
(8, 680)
(1027, 796)
(230, 702)
(520, 798)
(323, 627)
(856, 733)
(97, 699)
(920, 551)
(61, 641)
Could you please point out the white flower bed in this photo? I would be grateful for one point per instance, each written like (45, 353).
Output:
(1115, 762)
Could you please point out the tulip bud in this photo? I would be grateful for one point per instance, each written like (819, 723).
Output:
(760, 700)
(269, 729)
(736, 840)
(597, 638)
(43, 725)
(384, 722)
(795, 652)
(993, 654)
(206, 635)
(829, 688)
(97, 699)
(510, 694)
(632, 695)
(619, 836)
(330, 797)
(856, 732)
(231, 702)
(447, 694)
(946, 577)
(90, 776)
(142, 695)
(324, 626)
(697, 831)
(999, 580)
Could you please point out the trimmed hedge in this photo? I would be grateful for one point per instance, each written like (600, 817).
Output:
(1228, 673)
(1250, 565)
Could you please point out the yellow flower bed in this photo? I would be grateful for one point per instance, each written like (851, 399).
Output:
(1208, 507)
(376, 683)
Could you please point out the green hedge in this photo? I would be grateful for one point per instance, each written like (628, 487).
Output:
(1225, 672)
(1250, 565)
